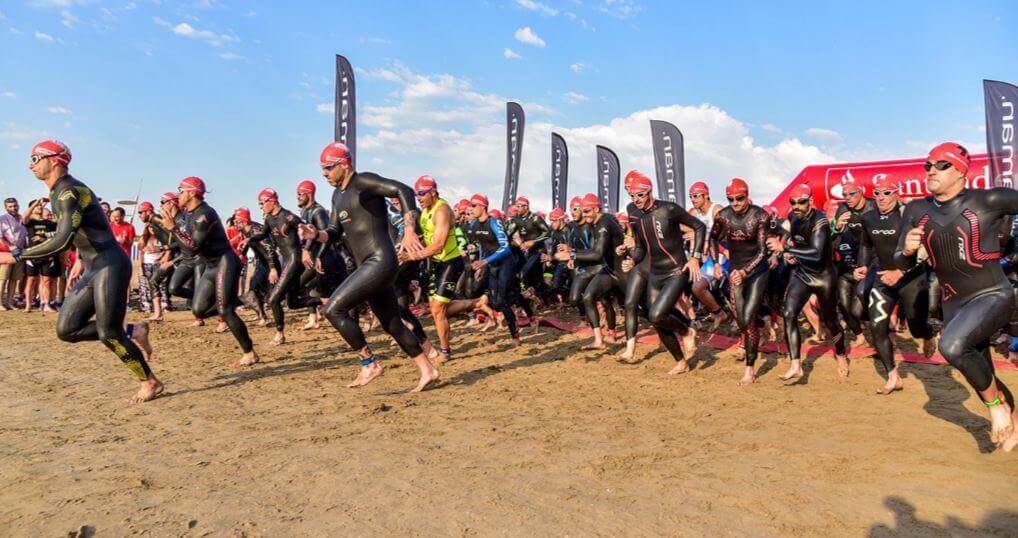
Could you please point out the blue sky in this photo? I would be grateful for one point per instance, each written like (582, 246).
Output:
(238, 92)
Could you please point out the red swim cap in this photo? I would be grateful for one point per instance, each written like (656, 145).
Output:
(425, 184)
(242, 214)
(736, 187)
(590, 201)
(886, 181)
(800, 191)
(622, 217)
(557, 214)
(513, 211)
(306, 187)
(462, 206)
(636, 181)
(699, 188)
(335, 153)
(953, 153)
(267, 194)
(168, 197)
(855, 185)
(479, 199)
(52, 148)
(145, 206)
(192, 184)
(539, 214)
(575, 202)
(494, 213)
(522, 200)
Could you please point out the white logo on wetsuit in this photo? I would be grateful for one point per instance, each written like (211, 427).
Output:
(961, 248)
(657, 226)
(892, 231)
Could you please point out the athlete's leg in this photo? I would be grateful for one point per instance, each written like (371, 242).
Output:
(636, 291)
(796, 295)
(227, 281)
(596, 289)
(748, 300)
(848, 304)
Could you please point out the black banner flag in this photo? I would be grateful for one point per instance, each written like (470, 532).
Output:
(346, 98)
(513, 152)
(669, 162)
(559, 170)
(608, 179)
(1001, 99)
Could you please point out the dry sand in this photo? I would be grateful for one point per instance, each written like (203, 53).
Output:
(516, 441)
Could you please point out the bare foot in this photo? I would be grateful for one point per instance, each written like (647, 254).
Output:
(222, 327)
(593, 345)
(262, 322)
(794, 371)
(1002, 424)
(366, 375)
(427, 378)
(154, 317)
(198, 323)
(140, 337)
(748, 378)
(311, 324)
(150, 388)
(1011, 442)
(843, 365)
(610, 337)
(681, 367)
(279, 339)
(248, 359)
(719, 320)
(688, 343)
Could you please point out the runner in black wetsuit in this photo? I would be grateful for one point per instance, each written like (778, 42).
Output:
(360, 221)
(266, 262)
(167, 250)
(742, 227)
(283, 226)
(323, 262)
(888, 285)
(848, 235)
(601, 262)
(533, 231)
(662, 270)
(166, 266)
(808, 249)
(187, 266)
(102, 269)
(958, 229)
(559, 235)
(216, 290)
(494, 256)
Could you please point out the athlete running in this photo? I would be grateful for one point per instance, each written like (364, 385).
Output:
(495, 257)
(266, 262)
(102, 270)
(661, 269)
(215, 292)
(445, 261)
(283, 226)
(808, 249)
(848, 236)
(601, 268)
(957, 227)
(742, 227)
(532, 232)
(706, 211)
(323, 262)
(359, 219)
(889, 286)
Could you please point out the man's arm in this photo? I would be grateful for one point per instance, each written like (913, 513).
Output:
(71, 214)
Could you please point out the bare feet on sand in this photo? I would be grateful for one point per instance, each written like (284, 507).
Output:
(367, 374)
(198, 323)
(681, 367)
(150, 388)
(843, 365)
(794, 371)
(748, 378)
(248, 359)
(688, 342)
(279, 339)
(894, 383)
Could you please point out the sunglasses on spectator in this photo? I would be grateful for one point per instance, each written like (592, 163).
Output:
(738, 198)
(939, 165)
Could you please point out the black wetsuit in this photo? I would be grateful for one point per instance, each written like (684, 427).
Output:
(359, 219)
(659, 278)
(102, 289)
(531, 228)
(745, 236)
(408, 271)
(876, 253)
(284, 228)
(333, 267)
(215, 292)
(503, 286)
(809, 243)
(560, 280)
(960, 237)
(187, 267)
(169, 244)
(604, 267)
(846, 248)
(265, 260)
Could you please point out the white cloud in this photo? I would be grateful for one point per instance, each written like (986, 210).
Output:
(59, 110)
(68, 19)
(326, 108)
(10, 95)
(511, 54)
(439, 124)
(526, 35)
(826, 135)
(620, 9)
(186, 30)
(574, 97)
(15, 31)
(45, 38)
(57, 3)
(578, 67)
(375, 40)
(770, 128)
(230, 56)
(537, 6)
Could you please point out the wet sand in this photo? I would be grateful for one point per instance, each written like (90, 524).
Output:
(515, 441)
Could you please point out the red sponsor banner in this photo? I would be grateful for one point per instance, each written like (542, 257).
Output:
(827, 180)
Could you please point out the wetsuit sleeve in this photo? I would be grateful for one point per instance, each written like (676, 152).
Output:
(901, 261)
(503, 242)
(865, 245)
(597, 249)
(543, 227)
(1004, 201)
(714, 239)
(194, 238)
(390, 188)
(819, 240)
(71, 214)
(320, 220)
(760, 233)
(699, 229)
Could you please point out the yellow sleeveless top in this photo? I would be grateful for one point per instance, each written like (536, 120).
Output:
(427, 221)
